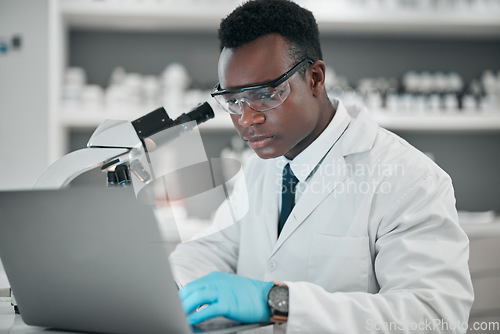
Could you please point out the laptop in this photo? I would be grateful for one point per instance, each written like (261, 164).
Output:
(92, 259)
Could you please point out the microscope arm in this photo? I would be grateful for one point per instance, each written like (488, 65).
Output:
(63, 171)
(111, 139)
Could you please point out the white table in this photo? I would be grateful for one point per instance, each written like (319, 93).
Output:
(11, 323)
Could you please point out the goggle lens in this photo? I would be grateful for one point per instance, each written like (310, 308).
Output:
(262, 99)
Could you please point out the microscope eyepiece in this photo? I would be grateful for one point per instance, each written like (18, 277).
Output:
(200, 114)
(158, 120)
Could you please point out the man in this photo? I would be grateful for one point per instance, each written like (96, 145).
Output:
(369, 240)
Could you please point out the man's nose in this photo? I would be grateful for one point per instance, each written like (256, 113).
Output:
(250, 116)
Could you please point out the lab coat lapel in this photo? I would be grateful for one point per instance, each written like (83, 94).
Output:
(270, 213)
(330, 174)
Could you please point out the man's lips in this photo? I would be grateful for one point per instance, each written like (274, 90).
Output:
(258, 141)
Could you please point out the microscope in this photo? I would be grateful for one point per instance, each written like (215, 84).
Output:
(114, 145)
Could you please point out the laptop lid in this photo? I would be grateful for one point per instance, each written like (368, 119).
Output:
(88, 259)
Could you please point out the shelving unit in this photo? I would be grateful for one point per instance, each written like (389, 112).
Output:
(334, 17)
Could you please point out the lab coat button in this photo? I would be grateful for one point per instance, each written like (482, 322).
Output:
(272, 265)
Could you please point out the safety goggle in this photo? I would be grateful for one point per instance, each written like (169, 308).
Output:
(260, 97)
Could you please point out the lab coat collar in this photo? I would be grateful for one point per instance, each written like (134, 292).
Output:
(362, 132)
(306, 161)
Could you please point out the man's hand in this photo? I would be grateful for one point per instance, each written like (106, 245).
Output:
(235, 297)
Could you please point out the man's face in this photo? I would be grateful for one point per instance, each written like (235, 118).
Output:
(287, 129)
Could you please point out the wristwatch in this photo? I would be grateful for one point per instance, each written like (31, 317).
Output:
(277, 299)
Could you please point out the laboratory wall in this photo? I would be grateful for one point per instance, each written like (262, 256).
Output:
(470, 157)
(24, 91)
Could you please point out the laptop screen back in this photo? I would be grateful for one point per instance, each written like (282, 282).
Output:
(88, 259)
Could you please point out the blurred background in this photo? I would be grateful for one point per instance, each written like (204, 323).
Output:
(428, 70)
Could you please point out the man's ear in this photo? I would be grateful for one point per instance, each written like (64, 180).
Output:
(318, 77)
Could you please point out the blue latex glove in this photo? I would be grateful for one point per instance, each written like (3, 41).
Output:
(235, 297)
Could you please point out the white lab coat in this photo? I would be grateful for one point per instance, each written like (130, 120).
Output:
(373, 244)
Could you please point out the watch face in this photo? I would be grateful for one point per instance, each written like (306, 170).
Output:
(278, 298)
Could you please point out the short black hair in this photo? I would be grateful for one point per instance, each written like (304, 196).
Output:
(257, 18)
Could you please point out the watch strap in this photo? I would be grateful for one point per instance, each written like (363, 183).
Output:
(279, 319)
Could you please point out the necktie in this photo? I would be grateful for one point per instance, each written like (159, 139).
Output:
(287, 195)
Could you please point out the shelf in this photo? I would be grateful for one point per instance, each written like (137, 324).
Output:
(451, 122)
(145, 15)
(429, 23)
(91, 118)
(332, 18)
